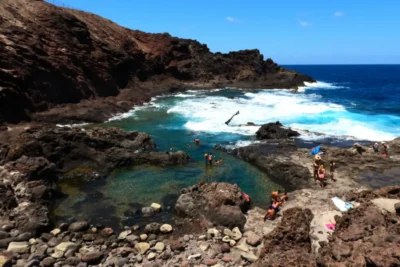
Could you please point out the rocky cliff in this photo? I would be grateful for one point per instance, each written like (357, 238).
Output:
(52, 55)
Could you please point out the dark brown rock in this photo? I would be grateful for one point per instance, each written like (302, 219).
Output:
(177, 245)
(98, 58)
(275, 131)
(289, 244)
(225, 248)
(92, 258)
(222, 203)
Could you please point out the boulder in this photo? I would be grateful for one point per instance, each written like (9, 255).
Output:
(221, 203)
(275, 131)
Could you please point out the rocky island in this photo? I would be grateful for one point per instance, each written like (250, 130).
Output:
(61, 65)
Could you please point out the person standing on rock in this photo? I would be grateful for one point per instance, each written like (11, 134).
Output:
(332, 167)
(321, 175)
(317, 163)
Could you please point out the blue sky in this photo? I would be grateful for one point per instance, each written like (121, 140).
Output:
(288, 31)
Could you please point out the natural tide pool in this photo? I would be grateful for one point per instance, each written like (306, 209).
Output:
(114, 201)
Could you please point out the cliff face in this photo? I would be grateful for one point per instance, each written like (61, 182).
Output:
(52, 55)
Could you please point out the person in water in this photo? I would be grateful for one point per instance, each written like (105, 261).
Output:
(217, 162)
(206, 158)
(210, 158)
(321, 175)
(171, 148)
(197, 141)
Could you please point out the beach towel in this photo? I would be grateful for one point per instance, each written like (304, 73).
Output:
(330, 226)
(341, 205)
(315, 151)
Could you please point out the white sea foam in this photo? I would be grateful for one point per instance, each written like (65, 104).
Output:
(305, 112)
(319, 85)
(72, 125)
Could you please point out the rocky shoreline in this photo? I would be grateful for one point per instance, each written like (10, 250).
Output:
(218, 228)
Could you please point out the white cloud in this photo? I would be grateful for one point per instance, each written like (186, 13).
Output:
(232, 19)
(338, 14)
(304, 24)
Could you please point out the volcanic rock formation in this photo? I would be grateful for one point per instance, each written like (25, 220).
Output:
(52, 55)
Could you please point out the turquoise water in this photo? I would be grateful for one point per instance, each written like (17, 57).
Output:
(113, 201)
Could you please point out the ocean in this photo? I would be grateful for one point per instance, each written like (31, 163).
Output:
(347, 104)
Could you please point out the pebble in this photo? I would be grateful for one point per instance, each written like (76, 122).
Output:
(236, 234)
(249, 257)
(156, 207)
(212, 232)
(226, 259)
(227, 232)
(142, 247)
(232, 243)
(204, 246)
(139, 258)
(151, 256)
(78, 227)
(186, 238)
(19, 247)
(48, 262)
(202, 237)
(194, 256)
(152, 228)
(124, 234)
(135, 227)
(210, 262)
(226, 239)
(159, 247)
(253, 239)
(243, 247)
(143, 237)
(166, 228)
(108, 231)
(225, 248)
(152, 237)
(56, 231)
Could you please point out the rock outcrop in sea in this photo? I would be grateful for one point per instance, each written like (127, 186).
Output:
(53, 55)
